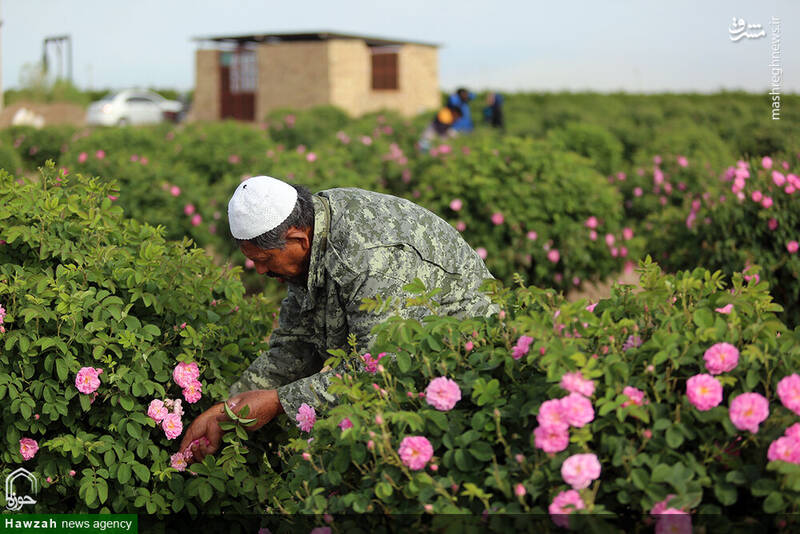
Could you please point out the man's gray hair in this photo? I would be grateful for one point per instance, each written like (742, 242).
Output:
(302, 216)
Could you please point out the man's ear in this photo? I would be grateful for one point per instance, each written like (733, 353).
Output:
(302, 236)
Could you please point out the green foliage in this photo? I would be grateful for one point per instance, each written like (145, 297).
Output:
(484, 446)
(36, 146)
(591, 141)
(545, 197)
(714, 228)
(84, 287)
(10, 160)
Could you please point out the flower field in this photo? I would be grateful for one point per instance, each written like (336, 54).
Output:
(126, 310)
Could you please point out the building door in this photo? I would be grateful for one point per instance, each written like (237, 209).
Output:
(238, 76)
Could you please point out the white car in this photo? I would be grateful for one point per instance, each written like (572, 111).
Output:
(132, 106)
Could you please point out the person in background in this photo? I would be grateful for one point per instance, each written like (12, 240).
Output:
(460, 99)
(440, 127)
(493, 112)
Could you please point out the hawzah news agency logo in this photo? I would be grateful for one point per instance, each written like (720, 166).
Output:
(13, 501)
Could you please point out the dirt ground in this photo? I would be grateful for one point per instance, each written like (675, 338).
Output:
(602, 290)
(55, 113)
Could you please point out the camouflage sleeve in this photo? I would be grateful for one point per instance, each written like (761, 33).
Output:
(388, 270)
(313, 390)
(291, 354)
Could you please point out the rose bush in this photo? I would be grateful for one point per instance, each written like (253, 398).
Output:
(97, 313)
(634, 443)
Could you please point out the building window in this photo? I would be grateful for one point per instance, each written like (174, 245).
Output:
(385, 67)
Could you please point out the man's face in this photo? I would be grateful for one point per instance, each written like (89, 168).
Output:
(289, 264)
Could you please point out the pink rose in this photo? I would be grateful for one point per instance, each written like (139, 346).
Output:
(175, 191)
(577, 410)
(156, 411)
(635, 396)
(456, 204)
(792, 246)
(749, 410)
(789, 392)
(497, 218)
(725, 309)
(82, 157)
(591, 222)
(28, 448)
(551, 414)
(576, 383)
(532, 235)
(704, 391)
(188, 209)
(551, 438)
(627, 234)
(100, 154)
(415, 452)
(766, 162)
(522, 347)
(345, 423)
(442, 393)
(519, 490)
(785, 448)
(193, 392)
(87, 381)
(553, 255)
(579, 470)
(682, 161)
(482, 252)
(178, 462)
(196, 219)
(185, 373)
(172, 425)
(564, 504)
(306, 417)
(721, 358)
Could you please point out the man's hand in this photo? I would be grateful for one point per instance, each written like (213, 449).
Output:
(264, 406)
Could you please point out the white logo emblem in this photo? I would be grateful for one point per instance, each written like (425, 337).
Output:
(740, 29)
(13, 502)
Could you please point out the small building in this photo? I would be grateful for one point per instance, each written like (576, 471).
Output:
(246, 76)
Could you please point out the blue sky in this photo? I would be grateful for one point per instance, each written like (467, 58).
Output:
(635, 46)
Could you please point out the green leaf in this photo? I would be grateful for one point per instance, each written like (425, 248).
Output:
(703, 318)
(403, 362)
(773, 503)
(61, 369)
(383, 490)
(141, 471)
(674, 437)
(91, 495)
(639, 478)
(725, 493)
(205, 492)
(124, 473)
(102, 490)
(481, 450)
(126, 403)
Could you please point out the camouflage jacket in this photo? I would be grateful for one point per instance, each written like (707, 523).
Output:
(364, 244)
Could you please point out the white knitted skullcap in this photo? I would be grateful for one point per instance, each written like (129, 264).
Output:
(258, 205)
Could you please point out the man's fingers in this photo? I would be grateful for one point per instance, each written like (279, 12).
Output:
(188, 438)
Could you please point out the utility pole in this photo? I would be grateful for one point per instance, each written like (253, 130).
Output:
(58, 41)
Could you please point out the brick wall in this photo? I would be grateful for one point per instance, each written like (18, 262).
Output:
(351, 79)
(206, 104)
(292, 74)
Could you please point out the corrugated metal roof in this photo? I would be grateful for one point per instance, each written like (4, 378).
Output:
(307, 36)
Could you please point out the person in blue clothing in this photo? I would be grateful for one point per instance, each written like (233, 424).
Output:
(493, 112)
(460, 99)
